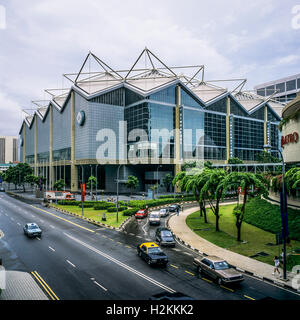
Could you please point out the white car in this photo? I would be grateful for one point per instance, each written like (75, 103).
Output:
(154, 218)
(164, 212)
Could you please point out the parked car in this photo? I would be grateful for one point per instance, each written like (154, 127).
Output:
(165, 295)
(165, 237)
(164, 212)
(174, 208)
(218, 269)
(32, 230)
(154, 218)
(152, 253)
(2, 189)
(142, 213)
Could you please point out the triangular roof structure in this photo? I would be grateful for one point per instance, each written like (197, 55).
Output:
(94, 76)
(149, 73)
(207, 92)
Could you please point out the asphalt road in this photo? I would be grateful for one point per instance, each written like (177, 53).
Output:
(78, 260)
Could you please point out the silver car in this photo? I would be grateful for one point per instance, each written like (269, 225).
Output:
(32, 230)
(154, 218)
(164, 212)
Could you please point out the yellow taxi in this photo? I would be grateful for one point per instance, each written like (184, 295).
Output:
(152, 253)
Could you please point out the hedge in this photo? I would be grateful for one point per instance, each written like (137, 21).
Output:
(114, 209)
(103, 205)
(266, 216)
(130, 212)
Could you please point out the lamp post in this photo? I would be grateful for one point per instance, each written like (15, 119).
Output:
(97, 182)
(118, 171)
(157, 179)
(91, 182)
(283, 204)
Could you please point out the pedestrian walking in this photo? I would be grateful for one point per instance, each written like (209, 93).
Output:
(276, 265)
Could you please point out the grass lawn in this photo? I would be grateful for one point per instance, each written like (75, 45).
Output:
(111, 217)
(256, 239)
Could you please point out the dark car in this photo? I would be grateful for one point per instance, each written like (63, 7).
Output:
(152, 253)
(174, 208)
(2, 189)
(32, 230)
(165, 237)
(170, 296)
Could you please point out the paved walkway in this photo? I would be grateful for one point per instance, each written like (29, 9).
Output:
(21, 286)
(179, 227)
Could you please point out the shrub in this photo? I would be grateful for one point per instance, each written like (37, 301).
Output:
(266, 216)
(114, 209)
(103, 205)
(86, 205)
(130, 212)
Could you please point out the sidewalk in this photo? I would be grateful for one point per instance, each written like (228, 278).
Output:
(259, 269)
(21, 286)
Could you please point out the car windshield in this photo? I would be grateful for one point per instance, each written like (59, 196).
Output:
(141, 211)
(163, 210)
(166, 233)
(33, 227)
(221, 265)
(155, 250)
(154, 215)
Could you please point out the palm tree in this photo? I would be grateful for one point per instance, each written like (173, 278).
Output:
(212, 191)
(193, 181)
(245, 181)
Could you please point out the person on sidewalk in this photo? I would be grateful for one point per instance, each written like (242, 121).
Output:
(276, 266)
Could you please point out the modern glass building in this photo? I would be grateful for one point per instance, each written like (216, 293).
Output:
(283, 90)
(147, 121)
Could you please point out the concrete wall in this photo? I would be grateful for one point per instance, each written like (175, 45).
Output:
(291, 151)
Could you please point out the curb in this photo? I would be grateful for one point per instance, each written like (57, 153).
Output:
(97, 223)
(255, 275)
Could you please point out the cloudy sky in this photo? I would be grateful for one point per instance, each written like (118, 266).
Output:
(45, 38)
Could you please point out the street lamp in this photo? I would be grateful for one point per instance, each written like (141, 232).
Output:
(283, 204)
(157, 178)
(118, 171)
(97, 182)
(91, 182)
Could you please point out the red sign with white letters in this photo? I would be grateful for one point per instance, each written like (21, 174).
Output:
(290, 138)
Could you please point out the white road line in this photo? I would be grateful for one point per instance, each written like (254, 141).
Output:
(100, 285)
(12, 219)
(145, 226)
(37, 238)
(51, 249)
(187, 253)
(73, 265)
(19, 223)
(176, 249)
(139, 237)
(52, 226)
(132, 234)
(123, 265)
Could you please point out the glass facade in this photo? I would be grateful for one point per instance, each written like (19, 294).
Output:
(62, 154)
(193, 136)
(202, 128)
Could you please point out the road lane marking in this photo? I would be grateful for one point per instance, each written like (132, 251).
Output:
(12, 219)
(18, 223)
(37, 238)
(99, 285)
(173, 266)
(226, 288)
(73, 265)
(209, 281)
(51, 249)
(189, 272)
(132, 234)
(119, 242)
(66, 220)
(123, 265)
(43, 283)
(249, 297)
(128, 247)
(52, 226)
